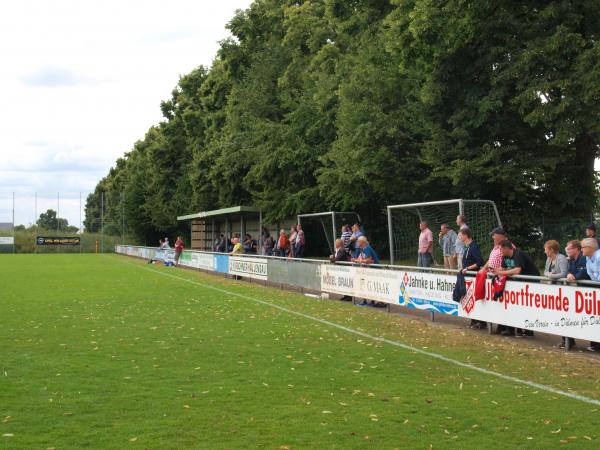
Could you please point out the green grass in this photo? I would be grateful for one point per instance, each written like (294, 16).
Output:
(101, 351)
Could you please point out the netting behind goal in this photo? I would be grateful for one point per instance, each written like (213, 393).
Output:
(319, 230)
(480, 215)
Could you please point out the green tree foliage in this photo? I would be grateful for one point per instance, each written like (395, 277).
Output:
(329, 104)
(50, 222)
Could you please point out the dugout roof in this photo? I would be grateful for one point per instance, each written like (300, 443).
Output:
(221, 212)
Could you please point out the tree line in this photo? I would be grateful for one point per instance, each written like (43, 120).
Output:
(356, 104)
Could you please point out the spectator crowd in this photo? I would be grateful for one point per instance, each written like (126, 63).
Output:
(581, 260)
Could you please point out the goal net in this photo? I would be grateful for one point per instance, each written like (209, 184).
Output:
(322, 229)
(403, 222)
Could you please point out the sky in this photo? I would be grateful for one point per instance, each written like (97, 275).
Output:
(81, 81)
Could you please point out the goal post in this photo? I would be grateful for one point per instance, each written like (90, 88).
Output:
(403, 225)
(322, 228)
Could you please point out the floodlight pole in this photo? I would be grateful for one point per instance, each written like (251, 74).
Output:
(80, 225)
(122, 220)
(102, 221)
(37, 230)
(57, 212)
(391, 235)
(13, 220)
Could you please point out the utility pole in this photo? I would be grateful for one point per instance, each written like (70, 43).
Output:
(102, 222)
(80, 227)
(13, 217)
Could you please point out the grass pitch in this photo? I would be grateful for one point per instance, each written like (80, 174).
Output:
(107, 352)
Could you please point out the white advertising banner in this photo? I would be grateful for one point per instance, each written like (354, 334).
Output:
(338, 279)
(8, 240)
(248, 267)
(429, 292)
(363, 282)
(377, 284)
(197, 260)
(565, 310)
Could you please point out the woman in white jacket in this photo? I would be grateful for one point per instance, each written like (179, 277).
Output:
(557, 265)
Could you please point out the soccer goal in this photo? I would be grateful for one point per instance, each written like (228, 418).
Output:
(403, 225)
(321, 229)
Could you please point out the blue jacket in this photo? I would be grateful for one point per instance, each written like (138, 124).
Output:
(578, 268)
(472, 255)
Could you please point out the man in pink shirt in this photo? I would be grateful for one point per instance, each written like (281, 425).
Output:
(495, 259)
(494, 262)
(425, 246)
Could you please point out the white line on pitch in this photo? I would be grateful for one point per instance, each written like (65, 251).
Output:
(455, 362)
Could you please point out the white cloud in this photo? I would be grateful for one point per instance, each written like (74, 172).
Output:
(82, 81)
(53, 77)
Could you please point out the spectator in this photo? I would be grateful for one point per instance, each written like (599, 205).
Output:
(341, 254)
(557, 266)
(515, 262)
(356, 234)
(166, 245)
(300, 242)
(461, 222)
(346, 235)
(366, 253)
(590, 232)
(249, 244)
(589, 247)
(366, 256)
(238, 248)
(576, 270)
(447, 240)
(179, 246)
(495, 259)
(471, 260)
(425, 258)
(282, 247)
(267, 243)
(158, 253)
(293, 236)
(222, 244)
